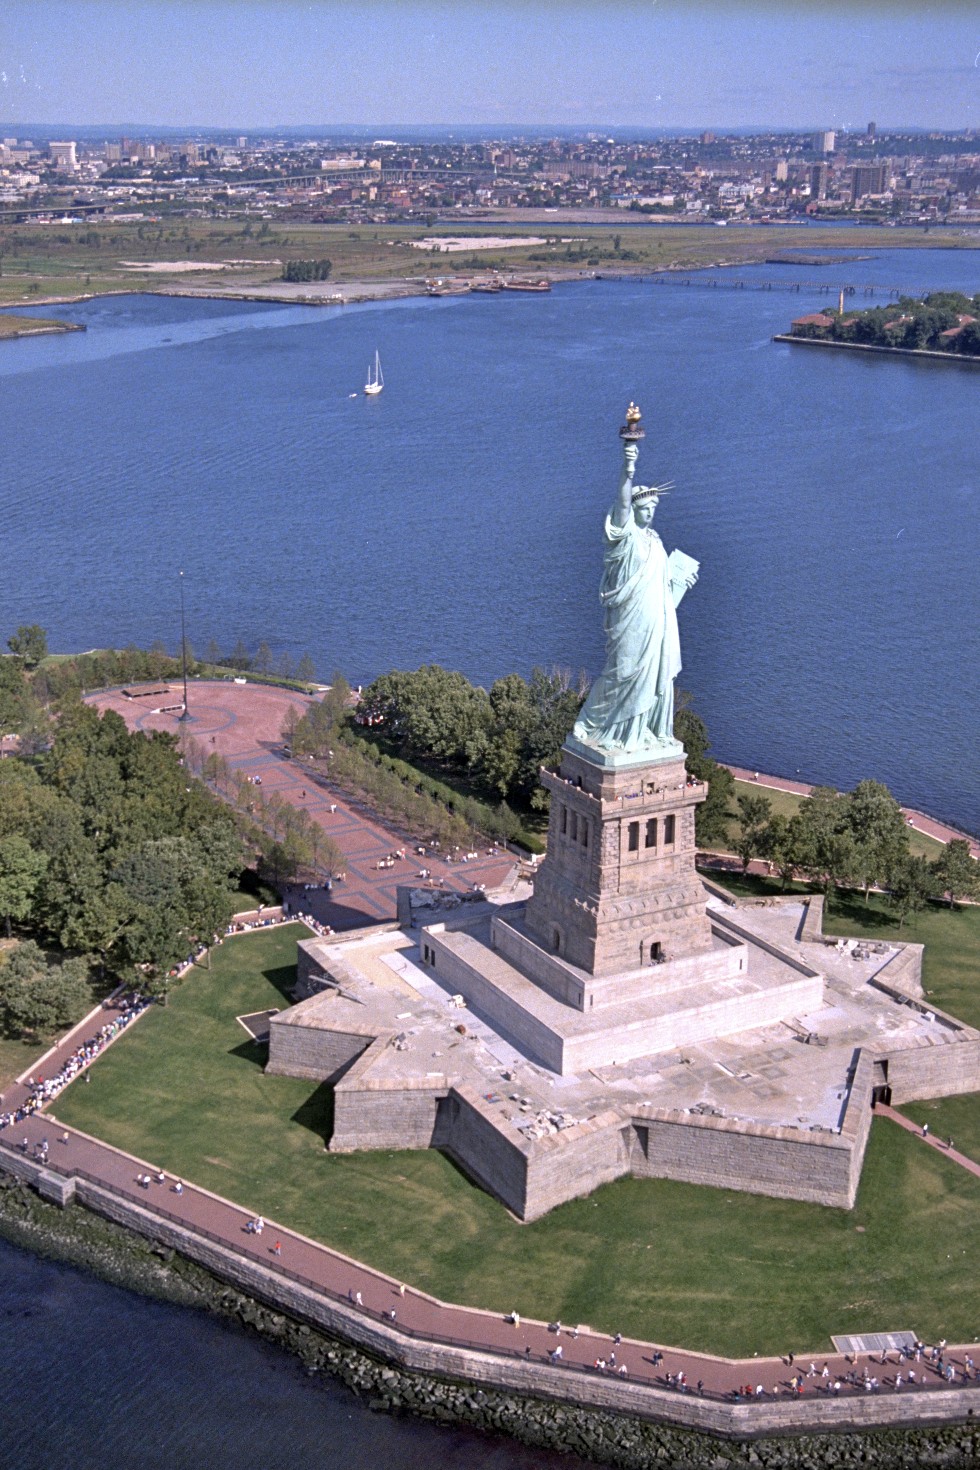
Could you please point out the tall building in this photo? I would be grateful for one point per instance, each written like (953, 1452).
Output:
(63, 157)
(867, 178)
(823, 142)
(819, 178)
(871, 130)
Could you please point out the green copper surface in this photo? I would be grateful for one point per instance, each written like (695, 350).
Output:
(630, 709)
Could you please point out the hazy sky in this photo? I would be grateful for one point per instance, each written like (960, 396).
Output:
(652, 63)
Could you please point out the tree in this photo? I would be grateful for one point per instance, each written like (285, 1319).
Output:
(15, 695)
(240, 658)
(263, 658)
(290, 721)
(432, 712)
(754, 813)
(29, 643)
(278, 864)
(873, 819)
(775, 847)
(306, 669)
(818, 838)
(38, 998)
(712, 816)
(912, 886)
(212, 654)
(21, 869)
(957, 872)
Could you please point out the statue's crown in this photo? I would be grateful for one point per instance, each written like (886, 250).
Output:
(642, 493)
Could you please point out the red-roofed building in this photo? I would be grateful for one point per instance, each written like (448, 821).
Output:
(812, 325)
(963, 321)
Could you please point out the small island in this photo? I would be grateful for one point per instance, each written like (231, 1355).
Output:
(942, 324)
(34, 326)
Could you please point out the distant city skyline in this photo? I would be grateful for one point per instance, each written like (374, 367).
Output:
(253, 64)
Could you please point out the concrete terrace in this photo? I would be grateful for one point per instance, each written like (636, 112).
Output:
(769, 1075)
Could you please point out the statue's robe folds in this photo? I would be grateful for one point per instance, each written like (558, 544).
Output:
(631, 705)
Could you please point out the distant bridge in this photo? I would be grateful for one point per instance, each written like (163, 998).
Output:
(826, 288)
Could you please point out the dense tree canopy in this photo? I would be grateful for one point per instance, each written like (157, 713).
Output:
(37, 997)
(109, 848)
(499, 739)
(908, 323)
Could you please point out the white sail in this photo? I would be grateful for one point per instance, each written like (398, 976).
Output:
(376, 382)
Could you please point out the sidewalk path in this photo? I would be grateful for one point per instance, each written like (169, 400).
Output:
(964, 1162)
(418, 1314)
(941, 831)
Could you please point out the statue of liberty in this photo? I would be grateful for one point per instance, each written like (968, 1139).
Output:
(630, 708)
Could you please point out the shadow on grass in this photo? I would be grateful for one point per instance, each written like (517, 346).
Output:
(283, 978)
(841, 904)
(256, 1052)
(316, 1113)
(853, 907)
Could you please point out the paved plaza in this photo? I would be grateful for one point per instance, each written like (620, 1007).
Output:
(243, 723)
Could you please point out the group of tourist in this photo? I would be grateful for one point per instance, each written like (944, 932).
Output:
(41, 1090)
(179, 971)
(324, 930)
(261, 921)
(864, 1380)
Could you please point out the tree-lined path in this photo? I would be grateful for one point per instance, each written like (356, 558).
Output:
(243, 724)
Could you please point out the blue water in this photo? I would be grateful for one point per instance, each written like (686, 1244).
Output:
(830, 498)
(98, 1379)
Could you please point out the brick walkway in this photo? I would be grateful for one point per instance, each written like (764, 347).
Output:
(243, 723)
(418, 1314)
(884, 1111)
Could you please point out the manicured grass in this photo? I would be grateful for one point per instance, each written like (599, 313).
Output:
(185, 1089)
(16, 1057)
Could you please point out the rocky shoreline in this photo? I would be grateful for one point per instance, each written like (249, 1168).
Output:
(81, 1239)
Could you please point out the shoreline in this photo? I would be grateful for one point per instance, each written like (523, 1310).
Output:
(140, 1260)
(393, 288)
(925, 352)
(39, 328)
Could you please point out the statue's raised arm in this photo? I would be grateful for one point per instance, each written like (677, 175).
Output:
(630, 708)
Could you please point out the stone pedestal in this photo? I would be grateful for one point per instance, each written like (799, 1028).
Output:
(618, 890)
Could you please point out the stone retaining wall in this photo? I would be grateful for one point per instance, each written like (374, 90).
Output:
(559, 1384)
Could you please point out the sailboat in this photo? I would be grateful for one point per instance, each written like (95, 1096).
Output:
(376, 383)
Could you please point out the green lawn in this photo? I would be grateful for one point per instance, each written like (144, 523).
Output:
(735, 1273)
(16, 1057)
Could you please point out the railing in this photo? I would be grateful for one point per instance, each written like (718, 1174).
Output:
(468, 1344)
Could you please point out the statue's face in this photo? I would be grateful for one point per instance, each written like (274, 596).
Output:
(643, 513)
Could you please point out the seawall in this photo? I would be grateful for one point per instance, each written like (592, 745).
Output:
(597, 1415)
